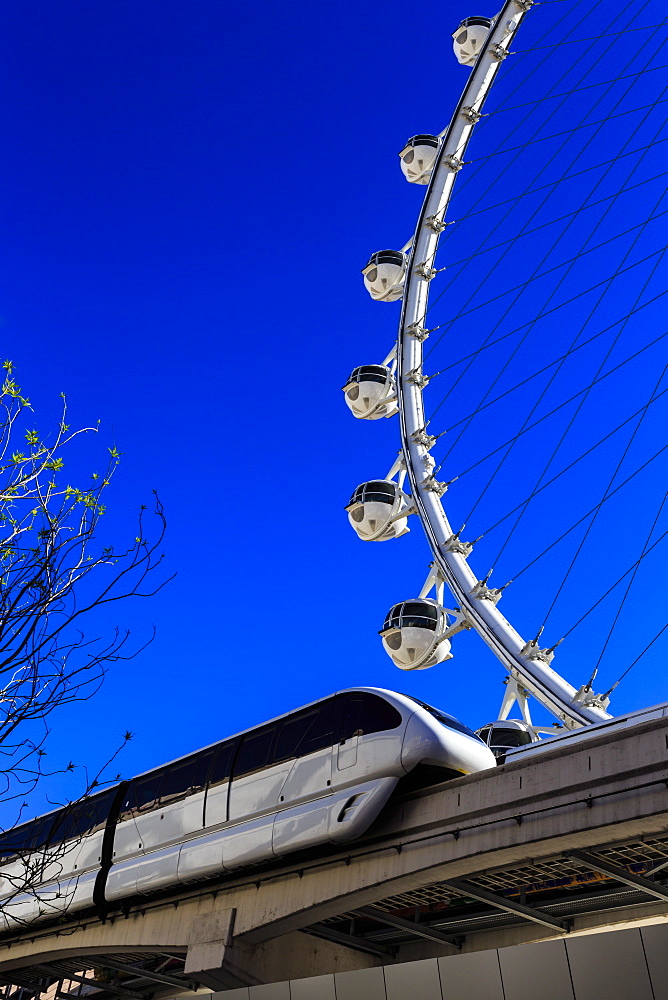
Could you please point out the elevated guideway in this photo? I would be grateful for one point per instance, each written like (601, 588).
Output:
(568, 842)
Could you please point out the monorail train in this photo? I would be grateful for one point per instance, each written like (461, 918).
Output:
(318, 775)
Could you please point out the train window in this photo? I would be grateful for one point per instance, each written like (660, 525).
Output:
(27, 837)
(484, 734)
(378, 715)
(222, 764)
(324, 731)
(185, 778)
(11, 842)
(143, 795)
(367, 713)
(291, 734)
(255, 751)
(352, 718)
(82, 818)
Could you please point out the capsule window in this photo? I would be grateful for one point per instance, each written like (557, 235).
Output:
(410, 156)
(369, 373)
(462, 38)
(372, 275)
(412, 614)
(353, 392)
(357, 514)
(510, 737)
(378, 491)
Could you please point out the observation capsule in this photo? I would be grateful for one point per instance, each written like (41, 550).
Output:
(413, 634)
(378, 511)
(469, 38)
(506, 734)
(385, 274)
(417, 158)
(371, 392)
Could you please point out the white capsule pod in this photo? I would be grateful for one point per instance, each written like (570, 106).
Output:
(378, 511)
(469, 38)
(417, 158)
(385, 274)
(371, 392)
(413, 634)
(506, 734)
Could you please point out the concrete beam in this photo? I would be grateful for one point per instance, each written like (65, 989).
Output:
(579, 798)
(295, 956)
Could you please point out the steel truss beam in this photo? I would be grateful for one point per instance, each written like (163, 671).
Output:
(58, 974)
(142, 973)
(420, 930)
(349, 940)
(510, 906)
(620, 874)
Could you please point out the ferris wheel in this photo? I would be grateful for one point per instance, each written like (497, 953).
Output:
(418, 632)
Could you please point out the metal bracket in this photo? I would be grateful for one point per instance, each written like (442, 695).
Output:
(416, 378)
(451, 161)
(426, 440)
(425, 271)
(455, 544)
(482, 592)
(471, 115)
(418, 331)
(498, 52)
(434, 486)
(585, 696)
(525, 4)
(532, 651)
(461, 623)
(434, 223)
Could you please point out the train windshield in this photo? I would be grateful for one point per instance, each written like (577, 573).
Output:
(445, 720)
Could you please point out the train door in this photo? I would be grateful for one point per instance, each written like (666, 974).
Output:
(350, 732)
(254, 795)
(309, 738)
(217, 793)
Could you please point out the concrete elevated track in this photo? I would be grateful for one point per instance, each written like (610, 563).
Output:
(572, 841)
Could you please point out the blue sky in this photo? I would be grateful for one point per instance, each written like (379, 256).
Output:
(193, 189)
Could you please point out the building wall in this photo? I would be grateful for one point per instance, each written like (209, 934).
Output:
(619, 965)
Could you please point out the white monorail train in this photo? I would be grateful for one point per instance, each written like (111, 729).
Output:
(318, 775)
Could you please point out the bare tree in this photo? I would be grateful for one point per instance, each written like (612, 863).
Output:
(53, 577)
